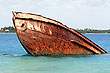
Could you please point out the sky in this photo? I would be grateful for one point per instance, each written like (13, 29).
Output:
(76, 14)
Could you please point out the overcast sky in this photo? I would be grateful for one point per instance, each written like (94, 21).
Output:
(73, 13)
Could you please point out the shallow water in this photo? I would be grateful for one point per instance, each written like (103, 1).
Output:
(14, 59)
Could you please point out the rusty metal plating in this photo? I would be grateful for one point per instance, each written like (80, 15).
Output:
(42, 36)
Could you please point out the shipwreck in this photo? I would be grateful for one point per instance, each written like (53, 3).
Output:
(41, 36)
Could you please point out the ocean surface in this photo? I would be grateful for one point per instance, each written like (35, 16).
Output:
(14, 59)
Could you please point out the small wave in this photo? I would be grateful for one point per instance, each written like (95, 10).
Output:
(13, 55)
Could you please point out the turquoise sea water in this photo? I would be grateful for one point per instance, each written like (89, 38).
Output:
(16, 60)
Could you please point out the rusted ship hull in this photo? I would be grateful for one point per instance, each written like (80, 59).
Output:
(41, 36)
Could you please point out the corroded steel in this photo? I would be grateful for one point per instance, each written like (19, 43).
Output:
(42, 36)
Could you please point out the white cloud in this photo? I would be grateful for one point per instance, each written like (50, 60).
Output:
(95, 3)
